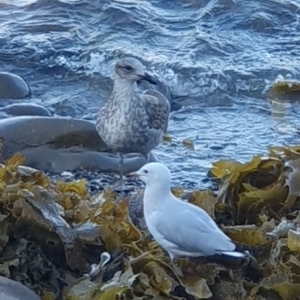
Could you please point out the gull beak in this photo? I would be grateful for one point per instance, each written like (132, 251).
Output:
(133, 175)
(149, 78)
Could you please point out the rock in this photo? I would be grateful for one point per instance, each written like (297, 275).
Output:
(57, 144)
(13, 290)
(12, 86)
(25, 109)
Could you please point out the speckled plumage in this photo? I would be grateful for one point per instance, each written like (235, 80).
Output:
(131, 121)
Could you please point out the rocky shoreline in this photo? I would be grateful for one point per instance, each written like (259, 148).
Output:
(64, 243)
(53, 143)
(65, 234)
(64, 148)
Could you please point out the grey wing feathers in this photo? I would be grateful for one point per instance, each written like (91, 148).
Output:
(205, 221)
(192, 232)
(158, 109)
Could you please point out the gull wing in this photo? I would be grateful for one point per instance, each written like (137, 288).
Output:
(157, 108)
(192, 230)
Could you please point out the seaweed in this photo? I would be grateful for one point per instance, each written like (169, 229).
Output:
(63, 243)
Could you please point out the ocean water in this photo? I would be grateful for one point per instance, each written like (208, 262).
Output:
(219, 57)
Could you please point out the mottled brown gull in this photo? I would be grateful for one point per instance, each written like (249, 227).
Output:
(181, 228)
(131, 121)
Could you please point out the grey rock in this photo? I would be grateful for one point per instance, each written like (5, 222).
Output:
(13, 290)
(25, 109)
(57, 144)
(13, 86)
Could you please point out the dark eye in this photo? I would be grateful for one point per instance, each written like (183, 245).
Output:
(128, 68)
(146, 171)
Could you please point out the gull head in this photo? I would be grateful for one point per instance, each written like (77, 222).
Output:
(132, 70)
(153, 174)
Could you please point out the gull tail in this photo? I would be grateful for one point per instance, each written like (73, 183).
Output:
(240, 254)
(234, 253)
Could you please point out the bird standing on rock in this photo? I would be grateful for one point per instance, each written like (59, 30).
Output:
(181, 228)
(131, 121)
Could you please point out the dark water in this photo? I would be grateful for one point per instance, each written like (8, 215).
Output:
(218, 56)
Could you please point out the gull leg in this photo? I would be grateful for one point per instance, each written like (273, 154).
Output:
(119, 183)
(121, 168)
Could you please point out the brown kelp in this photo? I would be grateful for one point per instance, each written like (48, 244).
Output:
(66, 244)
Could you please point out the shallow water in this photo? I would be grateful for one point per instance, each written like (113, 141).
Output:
(219, 58)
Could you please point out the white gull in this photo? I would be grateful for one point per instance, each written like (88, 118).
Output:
(181, 228)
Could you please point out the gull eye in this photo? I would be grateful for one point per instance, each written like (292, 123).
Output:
(128, 68)
(146, 171)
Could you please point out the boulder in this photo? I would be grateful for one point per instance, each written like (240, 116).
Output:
(57, 144)
(25, 109)
(13, 290)
(13, 86)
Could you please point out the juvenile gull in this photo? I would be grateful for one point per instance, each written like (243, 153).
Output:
(181, 228)
(131, 121)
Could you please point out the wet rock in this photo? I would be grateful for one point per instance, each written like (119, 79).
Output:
(12, 86)
(25, 109)
(13, 290)
(57, 144)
